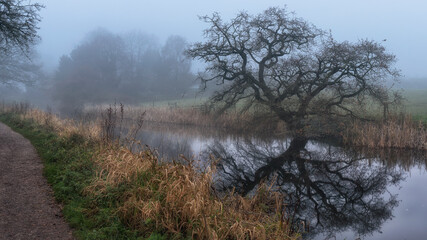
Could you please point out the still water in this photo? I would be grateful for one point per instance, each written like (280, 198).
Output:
(334, 192)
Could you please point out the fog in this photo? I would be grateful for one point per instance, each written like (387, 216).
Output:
(146, 40)
(401, 23)
(129, 68)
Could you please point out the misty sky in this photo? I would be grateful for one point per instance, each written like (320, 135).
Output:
(402, 23)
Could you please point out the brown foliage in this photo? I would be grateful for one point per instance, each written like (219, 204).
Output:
(397, 132)
(260, 122)
(180, 200)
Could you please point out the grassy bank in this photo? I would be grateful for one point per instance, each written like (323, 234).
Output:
(406, 128)
(69, 168)
(402, 131)
(110, 192)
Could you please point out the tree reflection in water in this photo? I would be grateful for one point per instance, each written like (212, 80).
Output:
(332, 189)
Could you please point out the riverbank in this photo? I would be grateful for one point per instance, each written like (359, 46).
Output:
(257, 121)
(399, 131)
(69, 169)
(110, 192)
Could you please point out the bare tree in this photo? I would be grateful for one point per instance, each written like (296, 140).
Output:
(18, 24)
(296, 70)
(177, 66)
(17, 67)
(18, 34)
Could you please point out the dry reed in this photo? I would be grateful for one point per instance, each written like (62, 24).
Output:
(402, 133)
(181, 200)
(63, 127)
(253, 122)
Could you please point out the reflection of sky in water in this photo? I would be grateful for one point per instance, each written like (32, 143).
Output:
(409, 219)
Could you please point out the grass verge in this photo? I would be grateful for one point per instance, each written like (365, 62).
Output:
(69, 168)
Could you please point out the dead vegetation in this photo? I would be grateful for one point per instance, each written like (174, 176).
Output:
(254, 121)
(180, 199)
(257, 121)
(397, 132)
(63, 127)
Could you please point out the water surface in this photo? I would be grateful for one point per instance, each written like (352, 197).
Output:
(332, 192)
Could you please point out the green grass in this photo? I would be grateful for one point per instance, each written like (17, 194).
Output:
(182, 102)
(416, 103)
(69, 170)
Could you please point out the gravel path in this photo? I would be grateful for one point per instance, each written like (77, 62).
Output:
(27, 207)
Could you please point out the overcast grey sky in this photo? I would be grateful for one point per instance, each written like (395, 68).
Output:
(401, 22)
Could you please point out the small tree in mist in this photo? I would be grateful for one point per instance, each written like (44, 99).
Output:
(18, 67)
(92, 73)
(291, 67)
(141, 51)
(177, 72)
(154, 71)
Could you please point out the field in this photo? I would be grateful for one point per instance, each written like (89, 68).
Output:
(182, 102)
(416, 103)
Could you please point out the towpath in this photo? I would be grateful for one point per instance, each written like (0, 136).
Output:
(27, 207)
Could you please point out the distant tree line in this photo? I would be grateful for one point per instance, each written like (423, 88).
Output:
(130, 68)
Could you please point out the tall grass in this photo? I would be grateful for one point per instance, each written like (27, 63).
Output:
(397, 132)
(255, 121)
(179, 200)
(91, 130)
(260, 122)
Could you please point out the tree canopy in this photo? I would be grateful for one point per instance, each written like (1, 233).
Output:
(18, 34)
(295, 69)
(18, 24)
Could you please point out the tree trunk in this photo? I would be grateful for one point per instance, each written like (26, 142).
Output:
(291, 154)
